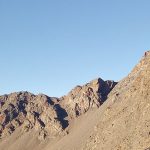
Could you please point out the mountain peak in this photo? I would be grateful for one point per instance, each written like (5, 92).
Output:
(99, 114)
(49, 116)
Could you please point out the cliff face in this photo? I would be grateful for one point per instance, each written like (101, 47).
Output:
(49, 116)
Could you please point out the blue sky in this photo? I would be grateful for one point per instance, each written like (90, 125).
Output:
(50, 46)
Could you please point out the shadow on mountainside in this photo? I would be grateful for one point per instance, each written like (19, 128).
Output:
(61, 115)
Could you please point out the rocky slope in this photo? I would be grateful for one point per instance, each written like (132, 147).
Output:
(82, 98)
(49, 116)
(74, 122)
(29, 111)
(122, 122)
(125, 123)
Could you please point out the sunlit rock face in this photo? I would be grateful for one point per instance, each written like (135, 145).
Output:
(49, 116)
(91, 95)
(29, 111)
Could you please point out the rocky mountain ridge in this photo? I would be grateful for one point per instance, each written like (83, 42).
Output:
(122, 121)
(49, 116)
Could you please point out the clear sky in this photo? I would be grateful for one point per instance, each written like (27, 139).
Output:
(50, 46)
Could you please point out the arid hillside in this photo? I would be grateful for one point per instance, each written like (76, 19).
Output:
(125, 123)
(100, 115)
(48, 118)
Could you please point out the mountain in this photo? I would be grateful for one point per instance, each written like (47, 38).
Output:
(48, 117)
(100, 115)
(125, 123)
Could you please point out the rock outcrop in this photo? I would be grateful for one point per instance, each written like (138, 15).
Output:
(82, 98)
(49, 116)
(29, 111)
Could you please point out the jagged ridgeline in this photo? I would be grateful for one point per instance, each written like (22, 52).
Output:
(100, 115)
(49, 116)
